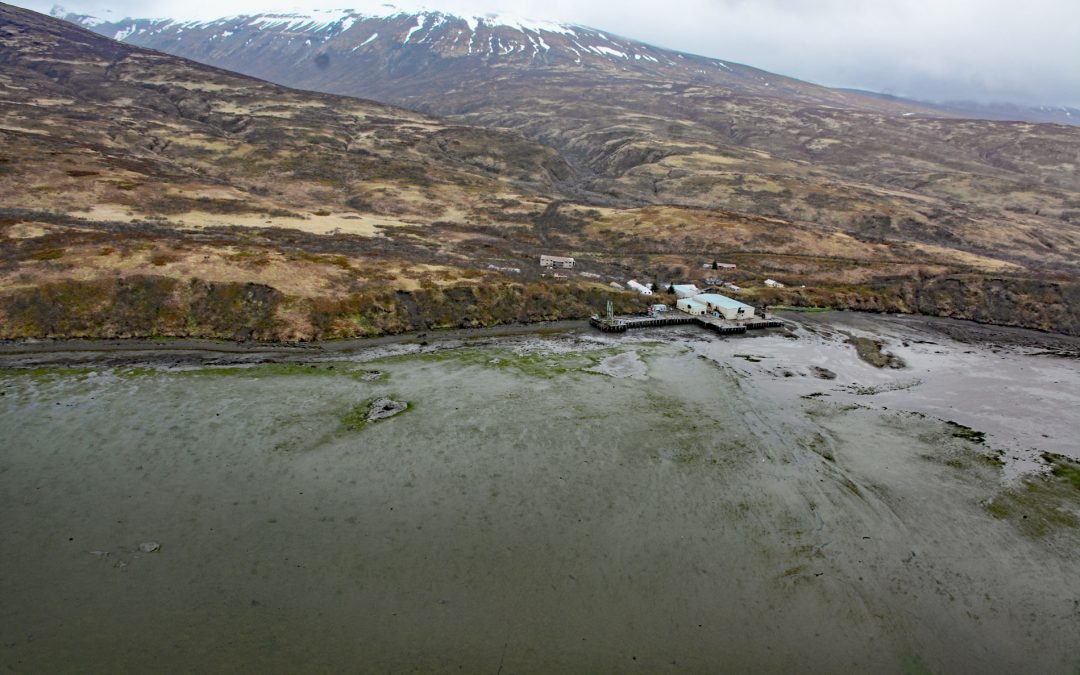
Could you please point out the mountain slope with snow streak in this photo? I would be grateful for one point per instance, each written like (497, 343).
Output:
(343, 51)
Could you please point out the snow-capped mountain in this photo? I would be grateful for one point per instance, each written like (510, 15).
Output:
(384, 53)
(493, 36)
(388, 55)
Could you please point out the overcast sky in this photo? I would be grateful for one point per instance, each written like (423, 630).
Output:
(1024, 51)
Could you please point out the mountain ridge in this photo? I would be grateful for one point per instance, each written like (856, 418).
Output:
(151, 195)
(498, 40)
(506, 36)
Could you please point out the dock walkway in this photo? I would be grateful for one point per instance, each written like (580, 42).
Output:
(621, 324)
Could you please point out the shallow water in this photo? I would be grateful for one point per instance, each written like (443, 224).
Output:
(546, 504)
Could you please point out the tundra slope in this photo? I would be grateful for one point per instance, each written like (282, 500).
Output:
(147, 195)
(150, 195)
(664, 127)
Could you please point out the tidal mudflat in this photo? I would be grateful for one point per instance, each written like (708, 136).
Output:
(663, 501)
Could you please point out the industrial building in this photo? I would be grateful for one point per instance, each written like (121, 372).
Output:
(726, 307)
(556, 262)
(692, 306)
(640, 288)
(686, 290)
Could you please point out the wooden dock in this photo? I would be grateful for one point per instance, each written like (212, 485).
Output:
(763, 323)
(621, 324)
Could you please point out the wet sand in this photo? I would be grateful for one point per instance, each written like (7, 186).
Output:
(661, 501)
(185, 351)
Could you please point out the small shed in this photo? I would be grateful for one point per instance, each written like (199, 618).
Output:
(686, 290)
(773, 284)
(658, 308)
(725, 306)
(691, 306)
(556, 262)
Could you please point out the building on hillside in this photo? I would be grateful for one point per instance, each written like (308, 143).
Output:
(773, 284)
(719, 266)
(724, 306)
(644, 290)
(686, 290)
(556, 262)
(691, 306)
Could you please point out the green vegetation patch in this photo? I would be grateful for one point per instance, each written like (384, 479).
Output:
(968, 454)
(964, 459)
(534, 364)
(793, 308)
(46, 374)
(140, 306)
(1043, 505)
(264, 370)
(821, 446)
(870, 351)
(374, 410)
(1064, 469)
(850, 486)
(966, 433)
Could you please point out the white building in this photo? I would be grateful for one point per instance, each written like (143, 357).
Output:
(644, 290)
(686, 290)
(725, 306)
(691, 306)
(773, 284)
(556, 262)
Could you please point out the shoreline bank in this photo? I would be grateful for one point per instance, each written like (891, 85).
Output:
(186, 351)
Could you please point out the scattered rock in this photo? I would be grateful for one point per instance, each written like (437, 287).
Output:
(822, 373)
(383, 408)
(870, 351)
(149, 546)
(371, 375)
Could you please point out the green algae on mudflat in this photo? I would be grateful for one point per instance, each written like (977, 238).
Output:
(359, 415)
(1045, 504)
(546, 365)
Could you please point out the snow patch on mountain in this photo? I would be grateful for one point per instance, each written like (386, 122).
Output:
(125, 33)
(490, 35)
(525, 25)
(420, 21)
